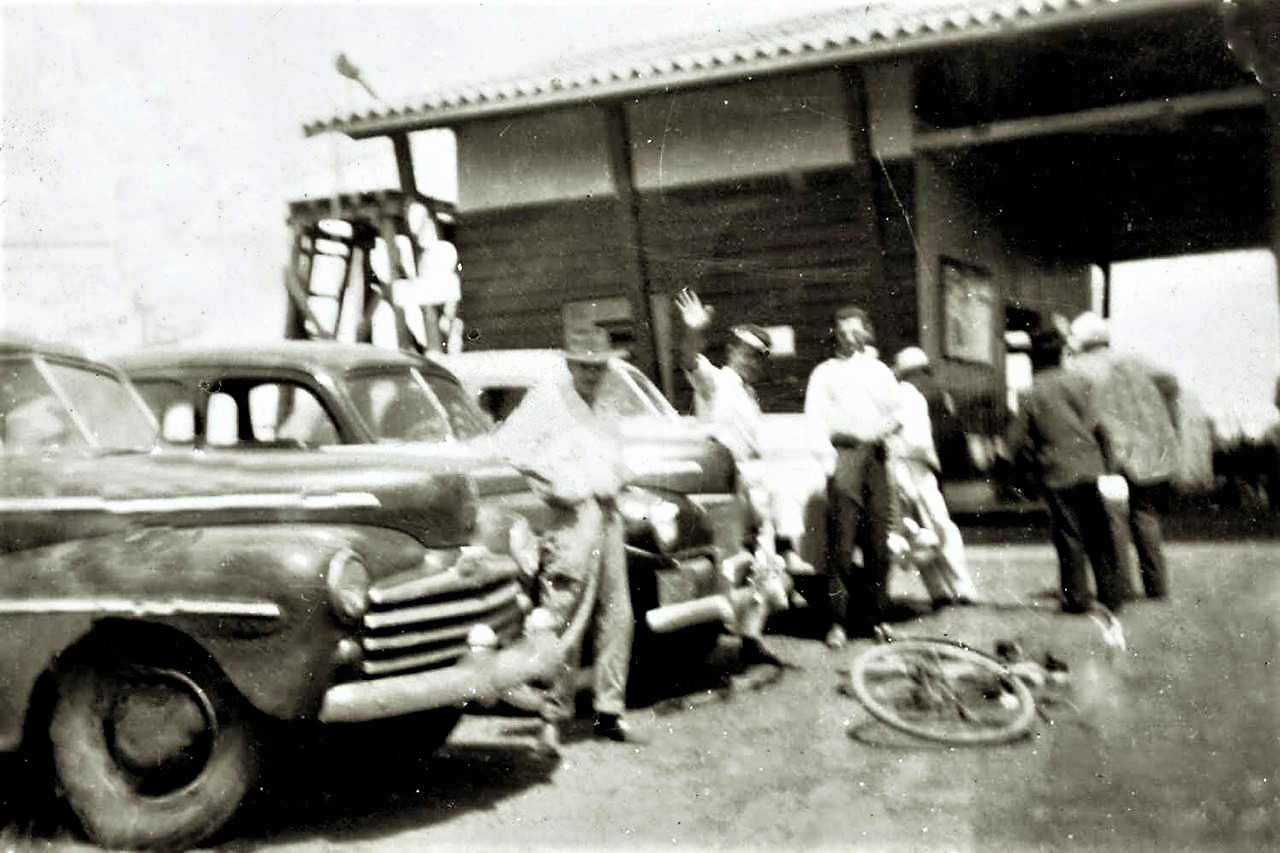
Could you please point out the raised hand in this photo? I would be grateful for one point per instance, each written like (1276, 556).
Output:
(693, 313)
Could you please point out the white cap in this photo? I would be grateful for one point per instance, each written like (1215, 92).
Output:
(910, 358)
(1089, 330)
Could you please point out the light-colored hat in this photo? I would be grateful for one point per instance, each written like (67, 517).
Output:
(1089, 330)
(753, 336)
(909, 359)
(589, 344)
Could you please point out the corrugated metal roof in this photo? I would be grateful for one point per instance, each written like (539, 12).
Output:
(841, 35)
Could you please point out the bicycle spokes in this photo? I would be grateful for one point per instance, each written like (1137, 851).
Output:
(943, 692)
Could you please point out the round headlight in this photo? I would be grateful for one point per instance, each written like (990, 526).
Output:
(348, 583)
(523, 545)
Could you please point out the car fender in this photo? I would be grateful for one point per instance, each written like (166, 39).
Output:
(252, 596)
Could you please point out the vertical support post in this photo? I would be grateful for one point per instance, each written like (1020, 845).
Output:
(618, 140)
(404, 163)
(856, 110)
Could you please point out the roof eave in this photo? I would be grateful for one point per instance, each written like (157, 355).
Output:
(407, 120)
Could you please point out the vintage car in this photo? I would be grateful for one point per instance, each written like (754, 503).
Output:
(795, 459)
(336, 398)
(159, 607)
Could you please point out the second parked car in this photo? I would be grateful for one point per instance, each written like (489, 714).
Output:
(333, 398)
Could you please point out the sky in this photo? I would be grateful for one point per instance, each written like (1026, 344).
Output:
(148, 152)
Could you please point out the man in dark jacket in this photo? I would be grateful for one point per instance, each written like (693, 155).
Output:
(1057, 430)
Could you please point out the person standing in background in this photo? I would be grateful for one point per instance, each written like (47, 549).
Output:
(725, 397)
(912, 365)
(1057, 433)
(1137, 405)
(915, 471)
(852, 398)
(573, 458)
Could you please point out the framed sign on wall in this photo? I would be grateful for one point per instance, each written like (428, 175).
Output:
(968, 312)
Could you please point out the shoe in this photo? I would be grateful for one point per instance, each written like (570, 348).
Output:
(939, 603)
(612, 727)
(836, 638)
(548, 740)
(1075, 607)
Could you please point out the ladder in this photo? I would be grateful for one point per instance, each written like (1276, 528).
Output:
(332, 280)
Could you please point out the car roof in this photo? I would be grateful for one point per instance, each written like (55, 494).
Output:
(505, 366)
(14, 342)
(326, 356)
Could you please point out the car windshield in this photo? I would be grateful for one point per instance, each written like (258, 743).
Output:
(403, 405)
(399, 406)
(465, 416)
(657, 403)
(49, 406)
(626, 392)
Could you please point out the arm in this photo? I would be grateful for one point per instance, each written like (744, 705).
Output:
(694, 320)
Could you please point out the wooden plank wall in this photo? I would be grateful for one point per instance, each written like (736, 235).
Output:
(520, 265)
(895, 184)
(778, 250)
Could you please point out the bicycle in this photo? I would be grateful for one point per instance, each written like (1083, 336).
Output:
(943, 691)
(946, 691)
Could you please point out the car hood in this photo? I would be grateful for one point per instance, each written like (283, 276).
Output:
(481, 461)
(54, 499)
(677, 454)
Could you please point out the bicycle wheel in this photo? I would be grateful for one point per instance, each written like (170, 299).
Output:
(942, 691)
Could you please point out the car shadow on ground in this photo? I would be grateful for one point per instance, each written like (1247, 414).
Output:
(381, 790)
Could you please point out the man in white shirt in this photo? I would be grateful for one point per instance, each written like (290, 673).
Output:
(574, 458)
(853, 399)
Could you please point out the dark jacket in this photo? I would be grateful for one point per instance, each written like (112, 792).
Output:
(948, 431)
(1057, 429)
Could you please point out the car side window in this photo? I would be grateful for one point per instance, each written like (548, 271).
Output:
(286, 413)
(172, 406)
(499, 402)
(268, 415)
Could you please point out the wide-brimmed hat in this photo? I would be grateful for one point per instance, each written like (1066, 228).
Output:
(909, 359)
(753, 336)
(589, 344)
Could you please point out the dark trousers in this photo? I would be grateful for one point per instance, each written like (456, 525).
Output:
(860, 514)
(1135, 526)
(1081, 533)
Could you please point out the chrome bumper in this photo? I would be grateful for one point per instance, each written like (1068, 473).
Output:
(723, 608)
(752, 593)
(483, 676)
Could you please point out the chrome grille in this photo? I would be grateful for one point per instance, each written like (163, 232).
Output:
(420, 620)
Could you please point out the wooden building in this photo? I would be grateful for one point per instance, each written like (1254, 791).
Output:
(959, 172)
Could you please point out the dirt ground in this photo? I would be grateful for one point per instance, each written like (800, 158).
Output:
(1173, 745)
